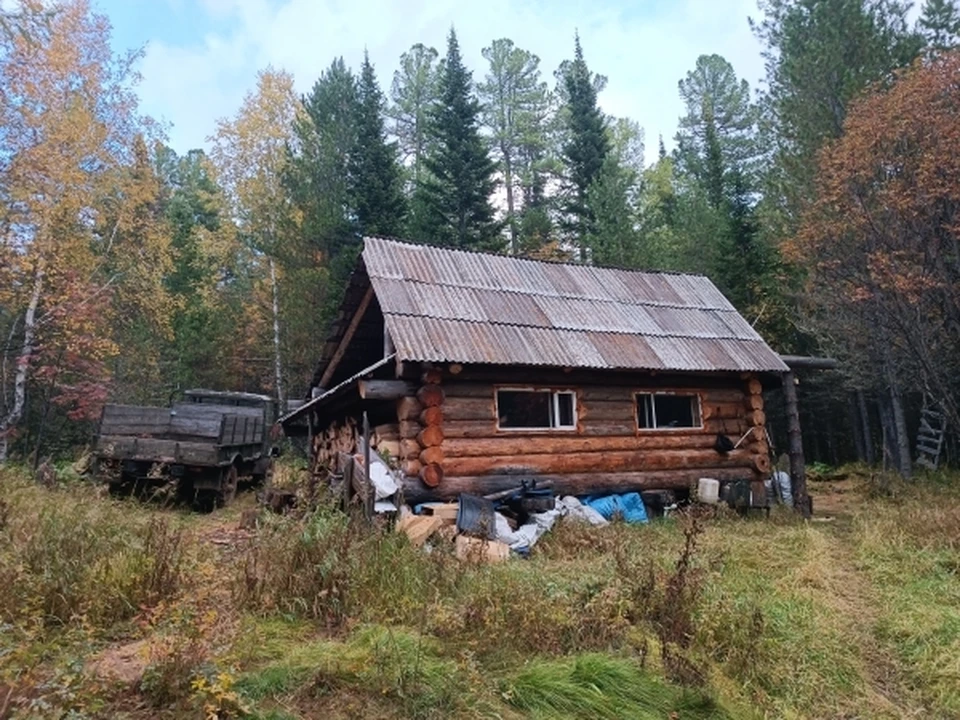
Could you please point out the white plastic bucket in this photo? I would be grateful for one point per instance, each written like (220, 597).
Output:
(708, 491)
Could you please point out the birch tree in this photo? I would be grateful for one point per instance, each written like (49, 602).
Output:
(69, 118)
(250, 152)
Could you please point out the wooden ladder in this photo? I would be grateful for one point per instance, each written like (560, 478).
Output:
(933, 429)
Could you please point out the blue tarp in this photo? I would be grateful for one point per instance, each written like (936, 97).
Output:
(629, 506)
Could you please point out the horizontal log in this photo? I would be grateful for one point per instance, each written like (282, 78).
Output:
(432, 455)
(430, 436)
(411, 467)
(468, 390)
(725, 411)
(626, 394)
(430, 395)
(385, 389)
(601, 462)
(468, 428)
(754, 386)
(602, 410)
(487, 428)
(507, 445)
(415, 491)
(735, 427)
(431, 416)
(408, 408)
(410, 449)
(409, 429)
(468, 409)
(754, 402)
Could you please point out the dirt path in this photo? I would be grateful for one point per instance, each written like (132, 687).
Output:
(835, 508)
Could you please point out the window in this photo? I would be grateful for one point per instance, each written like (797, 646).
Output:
(529, 409)
(663, 410)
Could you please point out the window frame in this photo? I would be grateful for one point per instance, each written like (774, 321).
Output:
(554, 392)
(675, 393)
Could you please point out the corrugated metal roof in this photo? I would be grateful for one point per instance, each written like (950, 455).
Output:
(446, 305)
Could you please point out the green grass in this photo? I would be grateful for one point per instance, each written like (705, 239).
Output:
(318, 617)
(601, 686)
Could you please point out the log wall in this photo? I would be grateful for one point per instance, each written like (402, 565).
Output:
(606, 451)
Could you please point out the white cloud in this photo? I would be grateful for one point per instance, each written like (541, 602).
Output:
(644, 52)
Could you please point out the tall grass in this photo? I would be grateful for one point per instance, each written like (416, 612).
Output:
(73, 555)
(600, 686)
(318, 615)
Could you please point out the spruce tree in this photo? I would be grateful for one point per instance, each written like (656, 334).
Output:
(586, 147)
(376, 182)
(939, 24)
(456, 194)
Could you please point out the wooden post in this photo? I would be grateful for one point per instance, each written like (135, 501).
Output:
(798, 470)
(370, 496)
(346, 466)
(312, 461)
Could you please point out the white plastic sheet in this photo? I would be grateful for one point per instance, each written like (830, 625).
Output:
(571, 507)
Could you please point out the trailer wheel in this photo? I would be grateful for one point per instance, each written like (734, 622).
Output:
(228, 486)
(124, 487)
(264, 479)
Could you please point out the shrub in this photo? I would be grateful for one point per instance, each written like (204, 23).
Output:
(68, 554)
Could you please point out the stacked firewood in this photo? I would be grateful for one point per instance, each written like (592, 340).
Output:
(337, 438)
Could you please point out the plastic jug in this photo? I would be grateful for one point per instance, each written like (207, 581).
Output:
(708, 491)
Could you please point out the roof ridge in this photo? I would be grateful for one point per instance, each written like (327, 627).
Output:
(542, 261)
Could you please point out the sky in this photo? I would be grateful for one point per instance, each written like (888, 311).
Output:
(202, 56)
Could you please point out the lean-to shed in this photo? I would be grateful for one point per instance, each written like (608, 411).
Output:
(480, 370)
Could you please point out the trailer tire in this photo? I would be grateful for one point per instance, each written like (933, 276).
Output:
(124, 487)
(228, 486)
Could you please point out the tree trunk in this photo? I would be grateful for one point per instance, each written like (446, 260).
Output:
(889, 447)
(798, 469)
(508, 181)
(858, 441)
(11, 419)
(863, 412)
(904, 465)
(277, 364)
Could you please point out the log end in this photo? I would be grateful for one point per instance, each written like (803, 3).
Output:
(431, 475)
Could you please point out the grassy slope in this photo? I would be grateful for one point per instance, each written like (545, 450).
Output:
(854, 617)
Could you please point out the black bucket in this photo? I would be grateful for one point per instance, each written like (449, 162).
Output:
(477, 516)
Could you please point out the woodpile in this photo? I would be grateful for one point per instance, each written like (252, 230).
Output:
(338, 437)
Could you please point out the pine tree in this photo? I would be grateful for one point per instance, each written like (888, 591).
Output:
(939, 24)
(586, 147)
(820, 55)
(456, 195)
(376, 182)
(413, 93)
(318, 174)
(718, 131)
(513, 96)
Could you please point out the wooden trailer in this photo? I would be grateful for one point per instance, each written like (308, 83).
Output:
(479, 371)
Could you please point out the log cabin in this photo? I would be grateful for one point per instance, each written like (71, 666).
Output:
(478, 371)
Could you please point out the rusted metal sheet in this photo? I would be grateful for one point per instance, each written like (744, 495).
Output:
(457, 306)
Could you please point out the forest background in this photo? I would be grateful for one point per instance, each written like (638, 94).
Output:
(823, 204)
